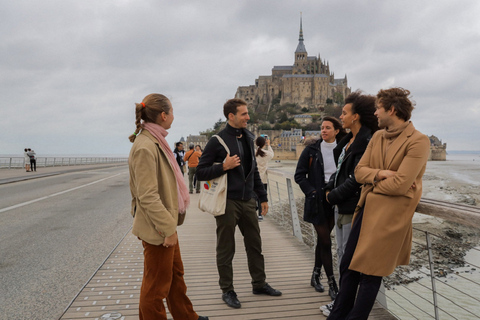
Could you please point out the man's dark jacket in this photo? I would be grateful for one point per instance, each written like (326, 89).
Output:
(241, 186)
(345, 193)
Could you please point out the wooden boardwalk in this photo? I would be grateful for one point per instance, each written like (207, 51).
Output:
(113, 292)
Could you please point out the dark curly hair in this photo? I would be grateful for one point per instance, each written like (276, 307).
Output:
(398, 99)
(364, 106)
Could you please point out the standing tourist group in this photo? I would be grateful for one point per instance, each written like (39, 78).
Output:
(362, 177)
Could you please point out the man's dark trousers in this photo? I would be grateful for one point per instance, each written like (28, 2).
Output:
(346, 307)
(243, 214)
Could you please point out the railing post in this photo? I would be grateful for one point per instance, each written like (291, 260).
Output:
(269, 189)
(10, 164)
(278, 192)
(432, 275)
(297, 231)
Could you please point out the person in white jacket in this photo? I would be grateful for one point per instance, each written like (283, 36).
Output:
(263, 156)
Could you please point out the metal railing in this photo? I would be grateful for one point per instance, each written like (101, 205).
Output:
(19, 162)
(442, 282)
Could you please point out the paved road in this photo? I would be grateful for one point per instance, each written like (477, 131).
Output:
(54, 233)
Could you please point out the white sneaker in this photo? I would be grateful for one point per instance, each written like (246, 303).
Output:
(326, 309)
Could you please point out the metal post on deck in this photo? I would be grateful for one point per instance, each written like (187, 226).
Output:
(269, 190)
(10, 164)
(297, 231)
(432, 275)
(278, 192)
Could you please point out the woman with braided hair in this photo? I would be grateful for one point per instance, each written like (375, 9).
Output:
(159, 202)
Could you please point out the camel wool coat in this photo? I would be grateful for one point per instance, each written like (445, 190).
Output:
(154, 191)
(385, 239)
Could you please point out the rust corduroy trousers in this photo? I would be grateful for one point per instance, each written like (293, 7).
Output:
(163, 279)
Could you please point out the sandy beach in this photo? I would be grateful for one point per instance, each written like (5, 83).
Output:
(455, 180)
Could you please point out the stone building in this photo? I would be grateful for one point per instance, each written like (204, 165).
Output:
(289, 139)
(302, 119)
(438, 150)
(201, 140)
(308, 83)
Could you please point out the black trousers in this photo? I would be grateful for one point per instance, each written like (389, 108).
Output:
(243, 214)
(346, 306)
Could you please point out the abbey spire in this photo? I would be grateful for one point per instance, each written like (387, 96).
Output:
(301, 46)
(300, 54)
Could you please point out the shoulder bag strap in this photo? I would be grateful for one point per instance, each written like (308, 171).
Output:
(222, 143)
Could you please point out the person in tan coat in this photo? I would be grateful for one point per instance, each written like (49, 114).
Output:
(159, 202)
(391, 171)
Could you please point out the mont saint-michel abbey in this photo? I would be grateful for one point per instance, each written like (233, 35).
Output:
(307, 83)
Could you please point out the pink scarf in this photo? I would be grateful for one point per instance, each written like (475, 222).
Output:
(160, 133)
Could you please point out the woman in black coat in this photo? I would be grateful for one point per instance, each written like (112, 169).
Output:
(314, 167)
(342, 190)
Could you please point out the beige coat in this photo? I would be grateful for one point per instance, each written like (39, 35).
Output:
(262, 163)
(153, 189)
(385, 239)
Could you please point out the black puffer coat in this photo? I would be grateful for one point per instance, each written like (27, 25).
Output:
(345, 191)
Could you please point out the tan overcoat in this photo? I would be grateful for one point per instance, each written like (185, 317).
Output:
(385, 239)
(154, 191)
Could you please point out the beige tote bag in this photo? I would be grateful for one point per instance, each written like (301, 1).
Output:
(213, 193)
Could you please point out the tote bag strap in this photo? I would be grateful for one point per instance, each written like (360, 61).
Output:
(222, 143)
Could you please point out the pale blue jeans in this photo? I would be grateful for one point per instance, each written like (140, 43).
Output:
(341, 235)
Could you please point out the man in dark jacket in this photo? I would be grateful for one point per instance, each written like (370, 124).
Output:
(243, 181)
(179, 153)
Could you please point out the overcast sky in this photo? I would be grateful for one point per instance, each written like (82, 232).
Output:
(71, 71)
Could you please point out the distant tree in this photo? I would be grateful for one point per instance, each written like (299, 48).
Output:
(333, 111)
(291, 110)
(315, 117)
(276, 101)
(271, 117)
(264, 126)
(283, 117)
(305, 110)
(338, 98)
(218, 124)
(329, 101)
(314, 126)
(254, 116)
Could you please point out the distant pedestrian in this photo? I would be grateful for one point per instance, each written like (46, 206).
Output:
(33, 160)
(314, 168)
(159, 202)
(263, 156)
(192, 157)
(243, 181)
(26, 160)
(391, 171)
(179, 153)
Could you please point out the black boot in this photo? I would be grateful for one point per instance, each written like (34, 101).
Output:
(333, 289)
(315, 282)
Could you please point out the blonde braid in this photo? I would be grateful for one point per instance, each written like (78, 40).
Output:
(138, 117)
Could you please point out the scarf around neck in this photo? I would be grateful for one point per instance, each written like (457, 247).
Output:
(395, 132)
(160, 133)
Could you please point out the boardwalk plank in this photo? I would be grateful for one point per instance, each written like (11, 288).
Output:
(288, 262)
